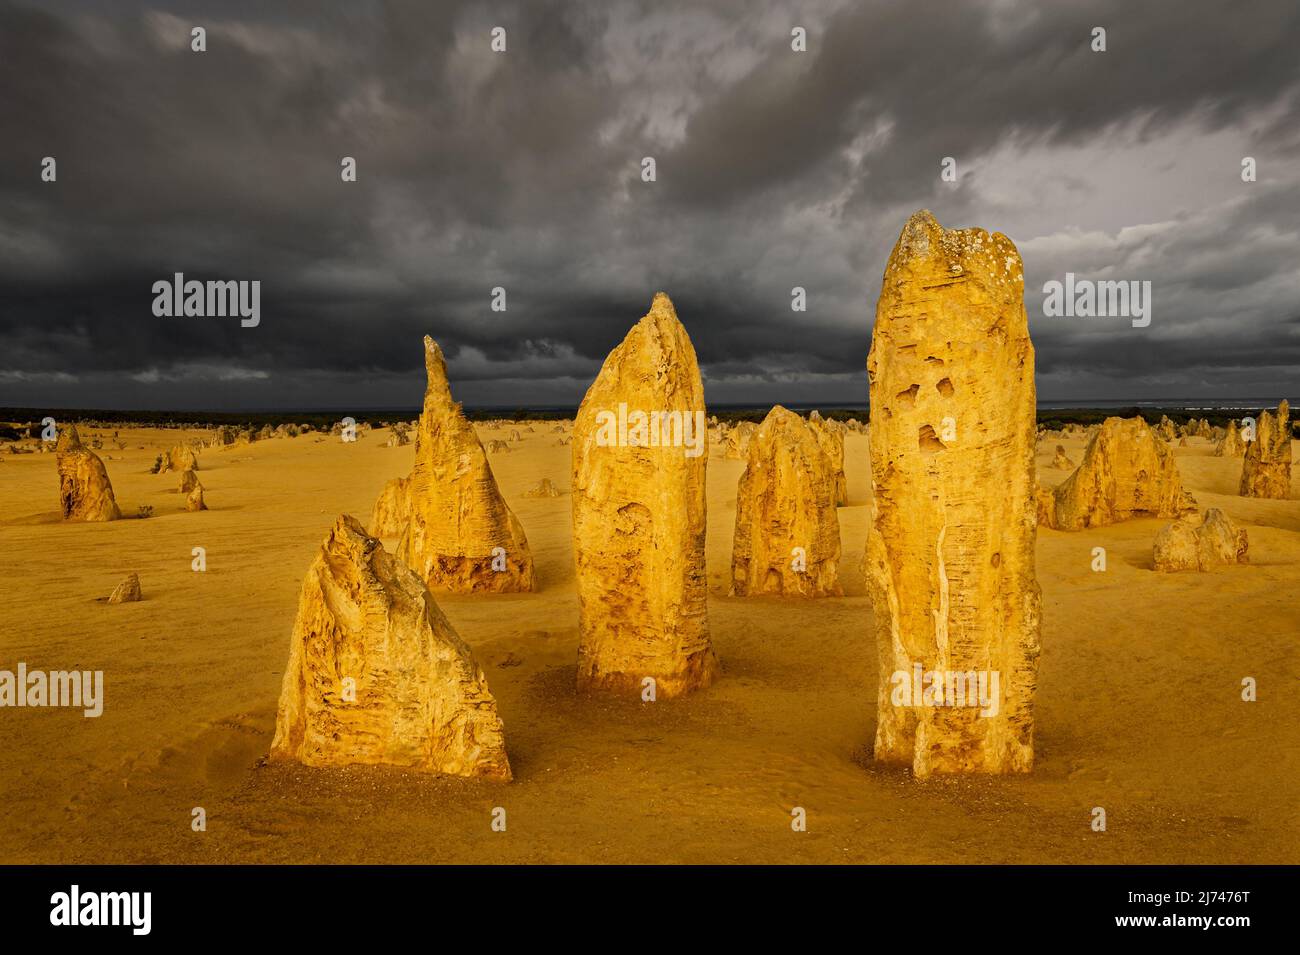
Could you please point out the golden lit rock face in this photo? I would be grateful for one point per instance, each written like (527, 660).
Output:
(392, 511)
(461, 536)
(179, 458)
(736, 446)
(950, 548)
(128, 591)
(1230, 445)
(639, 516)
(194, 500)
(831, 439)
(543, 488)
(377, 675)
(1186, 545)
(1266, 467)
(85, 493)
(1127, 472)
(787, 529)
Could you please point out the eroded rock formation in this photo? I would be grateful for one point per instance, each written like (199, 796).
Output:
(461, 536)
(639, 515)
(392, 510)
(736, 441)
(1062, 462)
(543, 488)
(1186, 545)
(180, 458)
(1266, 466)
(85, 493)
(128, 591)
(950, 548)
(377, 674)
(1127, 472)
(194, 501)
(831, 438)
(1230, 445)
(787, 539)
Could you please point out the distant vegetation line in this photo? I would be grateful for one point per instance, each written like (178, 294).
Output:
(13, 418)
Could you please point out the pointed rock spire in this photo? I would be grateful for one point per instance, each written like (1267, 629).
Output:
(461, 536)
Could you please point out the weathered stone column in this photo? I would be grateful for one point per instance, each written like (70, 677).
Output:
(950, 550)
(1266, 468)
(461, 536)
(787, 539)
(640, 448)
(85, 492)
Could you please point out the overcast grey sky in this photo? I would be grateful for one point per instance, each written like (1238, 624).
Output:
(774, 169)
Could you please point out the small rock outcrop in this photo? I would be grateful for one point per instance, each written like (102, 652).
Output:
(377, 675)
(1062, 462)
(1266, 465)
(461, 536)
(1127, 472)
(787, 539)
(639, 458)
(736, 443)
(1186, 545)
(128, 591)
(1230, 445)
(85, 493)
(544, 488)
(194, 500)
(180, 458)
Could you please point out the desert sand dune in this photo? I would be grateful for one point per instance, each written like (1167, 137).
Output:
(1138, 705)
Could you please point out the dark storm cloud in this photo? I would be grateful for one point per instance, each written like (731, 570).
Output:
(521, 170)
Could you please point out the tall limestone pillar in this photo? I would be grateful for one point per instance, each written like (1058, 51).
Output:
(461, 536)
(640, 448)
(950, 549)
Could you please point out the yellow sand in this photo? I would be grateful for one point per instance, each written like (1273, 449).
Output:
(1139, 707)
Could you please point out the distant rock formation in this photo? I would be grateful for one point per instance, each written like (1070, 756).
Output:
(1266, 466)
(639, 515)
(544, 488)
(950, 547)
(461, 536)
(1061, 462)
(194, 501)
(180, 458)
(1185, 545)
(787, 539)
(128, 591)
(500, 447)
(1230, 445)
(1167, 429)
(736, 446)
(392, 511)
(1127, 472)
(189, 481)
(831, 438)
(378, 675)
(85, 493)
